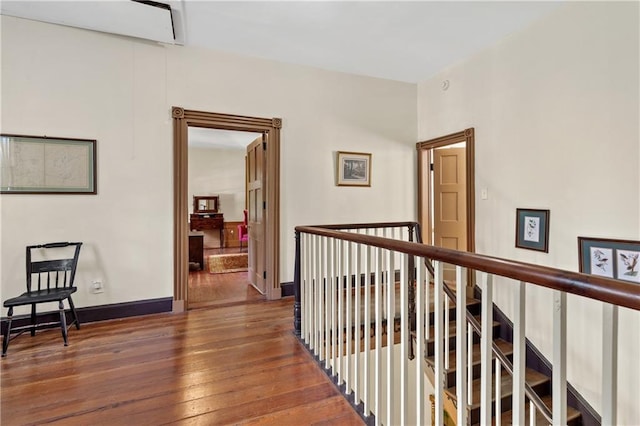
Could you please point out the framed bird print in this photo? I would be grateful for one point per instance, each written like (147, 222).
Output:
(532, 229)
(618, 259)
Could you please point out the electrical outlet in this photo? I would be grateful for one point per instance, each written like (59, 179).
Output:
(97, 287)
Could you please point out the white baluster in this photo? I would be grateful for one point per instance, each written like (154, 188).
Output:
(420, 343)
(446, 331)
(338, 255)
(519, 354)
(404, 336)
(391, 313)
(312, 288)
(378, 333)
(461, 346)
(485, 349)
(319, 297)
(366, 388)
(559, 381)
(328, 343)
(349, 314)
(498, 397)
(357, 313)
(469, 364)
(439, 353)
(609, 364)
(303, 282)
(532, 414)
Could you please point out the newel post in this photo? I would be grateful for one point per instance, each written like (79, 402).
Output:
(411, 296)
(296, 288)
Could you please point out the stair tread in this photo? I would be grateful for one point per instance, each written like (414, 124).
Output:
(572, 414)
(504, 346)
(532, 377)
(452, 329)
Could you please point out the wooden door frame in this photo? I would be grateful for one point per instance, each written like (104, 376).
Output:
(182, 119)
(424, 181)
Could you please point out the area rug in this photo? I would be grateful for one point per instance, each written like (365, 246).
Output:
(230, 262)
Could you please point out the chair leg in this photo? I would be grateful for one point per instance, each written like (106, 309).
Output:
(63, 323)
(5, 341)
(74, 314)
(33, 319)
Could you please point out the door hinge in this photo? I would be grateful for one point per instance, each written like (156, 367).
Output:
(264, 275)
(264, 146)
(431, 166)
(264, 205)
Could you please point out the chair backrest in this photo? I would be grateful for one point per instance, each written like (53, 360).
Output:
(56, 272)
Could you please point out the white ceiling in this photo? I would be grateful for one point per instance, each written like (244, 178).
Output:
(407, 41)
(399, 40)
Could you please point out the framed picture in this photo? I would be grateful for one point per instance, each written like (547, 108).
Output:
(618, 259)
(353, 169)
(43, 165)
(532, 229)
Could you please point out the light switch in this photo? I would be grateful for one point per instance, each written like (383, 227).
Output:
(484, 193)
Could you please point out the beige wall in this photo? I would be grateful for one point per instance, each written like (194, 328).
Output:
(218, 171)
(556, 114)
(60, 81)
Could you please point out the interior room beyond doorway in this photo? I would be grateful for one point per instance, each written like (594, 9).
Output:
(217, 202)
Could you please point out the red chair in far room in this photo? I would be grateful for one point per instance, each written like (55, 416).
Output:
(243, 234)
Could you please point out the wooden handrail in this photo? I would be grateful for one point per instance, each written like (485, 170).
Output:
(366, 225)
(594, 287)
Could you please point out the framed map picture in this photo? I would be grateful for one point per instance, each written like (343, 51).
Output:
(619, 259)
(42, 165)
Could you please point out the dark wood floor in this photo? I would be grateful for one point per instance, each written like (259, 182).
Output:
(207, 290)
(225, 365)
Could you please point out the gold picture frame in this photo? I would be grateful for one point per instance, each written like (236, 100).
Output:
(353, 168)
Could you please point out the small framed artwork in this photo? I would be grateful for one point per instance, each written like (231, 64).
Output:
(532, 229)
(618, 259)
(353, 169)
(47, 165)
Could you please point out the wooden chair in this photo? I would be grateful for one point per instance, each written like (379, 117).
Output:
(54, 284)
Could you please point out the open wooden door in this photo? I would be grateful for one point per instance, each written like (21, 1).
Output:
(446, 193)
(255, 195)
(450, 202)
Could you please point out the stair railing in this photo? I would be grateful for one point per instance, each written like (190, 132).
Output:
(346, 301)
(501, 360)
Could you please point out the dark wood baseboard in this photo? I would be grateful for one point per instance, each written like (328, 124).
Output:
(287, 289)
(536, 361)
(99, 313)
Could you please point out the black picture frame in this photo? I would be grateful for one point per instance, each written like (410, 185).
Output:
(47, 165)
(532, 229)
(611, 258)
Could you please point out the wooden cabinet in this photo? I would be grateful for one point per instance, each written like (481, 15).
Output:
(196, 249)
(203, 222)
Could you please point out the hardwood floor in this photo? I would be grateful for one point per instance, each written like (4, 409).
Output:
(207, 290)
(227, 365)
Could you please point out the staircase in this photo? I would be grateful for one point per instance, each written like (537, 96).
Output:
(539, 382)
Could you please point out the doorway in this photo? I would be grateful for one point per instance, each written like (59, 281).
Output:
(182, 120)
(218, 250)
(446, 193)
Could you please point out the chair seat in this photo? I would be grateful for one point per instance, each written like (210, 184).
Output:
(42, 296)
